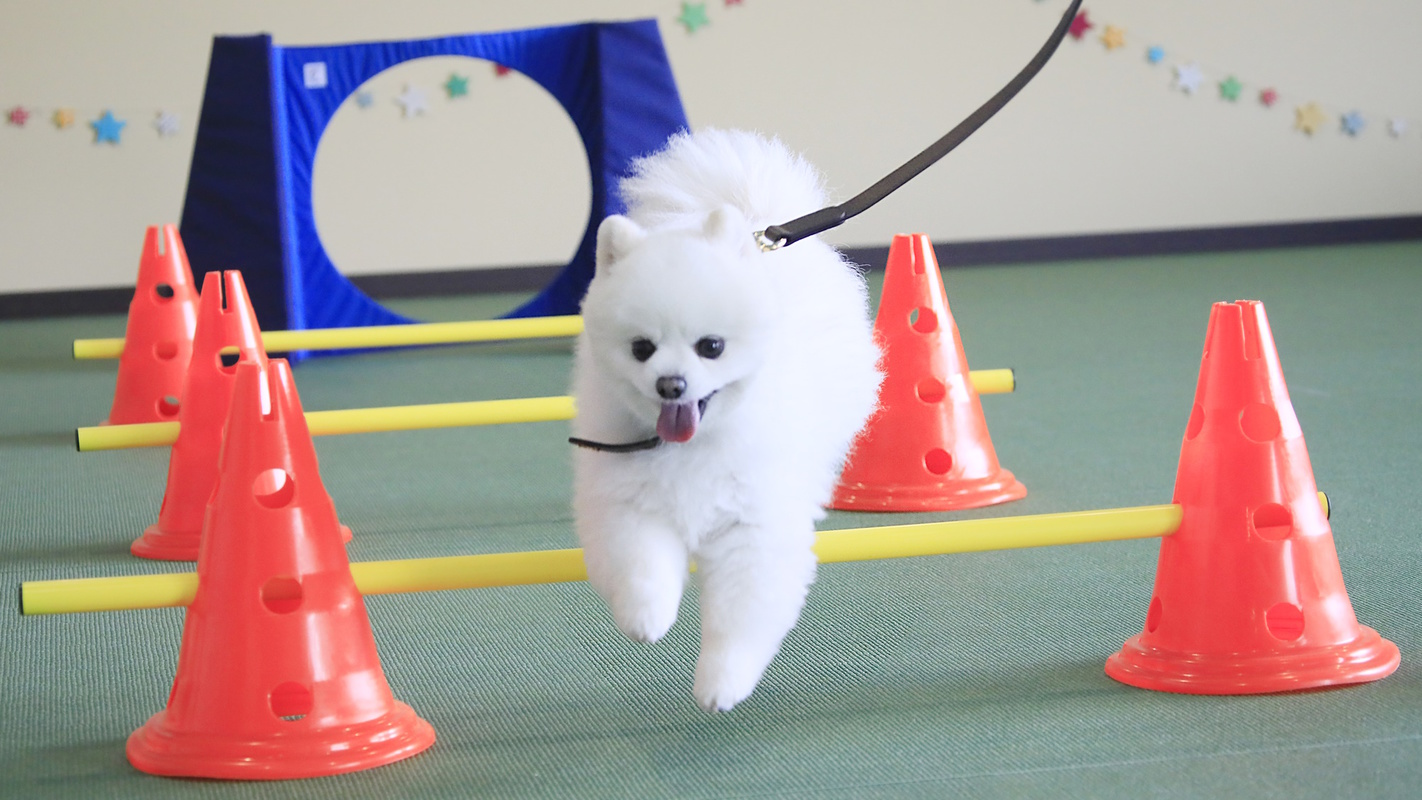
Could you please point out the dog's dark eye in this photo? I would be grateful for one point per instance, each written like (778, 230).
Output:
(642, 349)
(710, 346)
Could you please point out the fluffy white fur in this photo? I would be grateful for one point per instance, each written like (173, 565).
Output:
(796, 381)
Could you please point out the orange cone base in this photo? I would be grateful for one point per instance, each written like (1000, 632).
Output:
(951, 495)
(1367, 658)
(161, 545)
(298, 753)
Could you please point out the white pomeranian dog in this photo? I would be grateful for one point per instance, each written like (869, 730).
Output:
(743, 376)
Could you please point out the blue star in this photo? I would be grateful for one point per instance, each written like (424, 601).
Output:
(107, 129)
(1353, 123)
(1155, 54)
(364, 99)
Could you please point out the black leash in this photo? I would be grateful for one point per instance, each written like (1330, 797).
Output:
(778, 236)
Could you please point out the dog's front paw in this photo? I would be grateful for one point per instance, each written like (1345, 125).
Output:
(645, 612)
(724, 679)
(645, 622)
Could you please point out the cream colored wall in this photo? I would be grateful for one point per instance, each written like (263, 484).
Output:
(1099, 143)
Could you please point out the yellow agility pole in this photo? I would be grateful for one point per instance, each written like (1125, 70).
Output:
(565, 566)
(408, 418)
(382, 335)
(562, 566)
(354, 420)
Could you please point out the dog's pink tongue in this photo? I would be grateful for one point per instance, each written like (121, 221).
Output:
(677, 422)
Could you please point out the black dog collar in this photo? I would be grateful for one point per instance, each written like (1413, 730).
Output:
(602, 447)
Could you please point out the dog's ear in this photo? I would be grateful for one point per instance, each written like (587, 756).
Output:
(615, 237)
(727, 227)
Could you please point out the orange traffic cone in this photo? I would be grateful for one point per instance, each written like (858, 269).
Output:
(1248, 594)
(278, 675)
(225, 319)
(927, 449)
(158, 339)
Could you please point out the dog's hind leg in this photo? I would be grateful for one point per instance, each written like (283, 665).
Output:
(639, 566)
(753, 584)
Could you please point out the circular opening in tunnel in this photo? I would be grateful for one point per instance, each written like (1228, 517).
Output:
(487, 171)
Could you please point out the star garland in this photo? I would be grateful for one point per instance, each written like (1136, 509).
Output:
(108, 125)
(1188, 76)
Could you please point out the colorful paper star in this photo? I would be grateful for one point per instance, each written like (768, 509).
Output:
(1188, 77)
(693, 16)
(412, 102)
(1080, 25)
(18, 116)
(1113, 37)
(63, 118)
(1155, 54)
(500, 70)
(1352, 123)
(166, 123)
(1309, 118)
(364, 99)
(1268, 97)
(107, 129)
(1230, 88)
(457, 86)
(1397, 126)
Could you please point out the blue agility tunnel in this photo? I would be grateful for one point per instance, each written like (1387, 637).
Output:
(248, 203)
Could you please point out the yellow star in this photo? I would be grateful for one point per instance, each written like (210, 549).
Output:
(63, 118)
(1309, 118)
(1113, 37)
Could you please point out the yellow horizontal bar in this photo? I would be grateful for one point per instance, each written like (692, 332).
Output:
(563, 566)
(382, 335)
(409, 418)
(999, 533)
(121, 437)
(354, 420)
(560, 566)
(439, 415)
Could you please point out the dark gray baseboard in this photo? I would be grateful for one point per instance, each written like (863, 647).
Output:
(950, 254)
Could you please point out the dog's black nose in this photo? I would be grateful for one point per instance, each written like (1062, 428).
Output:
(671, 387)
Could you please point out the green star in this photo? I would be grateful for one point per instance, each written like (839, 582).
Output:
(457, 85)
(693, 16)
(1230, 88)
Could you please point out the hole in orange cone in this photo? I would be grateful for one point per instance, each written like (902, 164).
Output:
(282, 595)
(938, 461)
(1259, 422)
(923, 320)
(1285, 621)
(165, 351)
(273, 488)
(1273, 522)
(931, 390)
(168, 407)
(1197, 421)
(1153, 615)
(164, 292)
(291, 701)
(227, 362)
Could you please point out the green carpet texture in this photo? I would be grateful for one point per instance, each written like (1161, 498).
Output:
(975, 676)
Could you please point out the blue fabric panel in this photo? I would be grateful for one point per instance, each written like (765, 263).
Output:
(613, 79)
(229, 218)
(640, 108)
